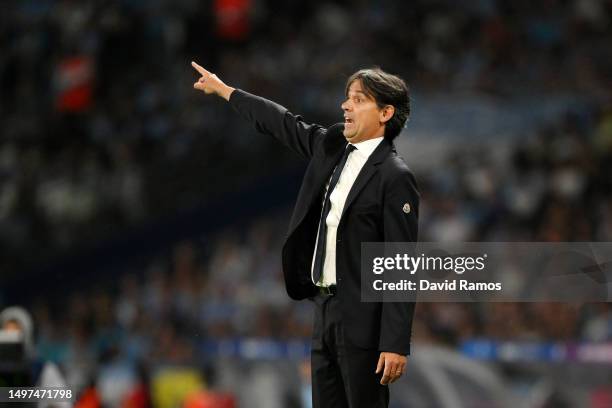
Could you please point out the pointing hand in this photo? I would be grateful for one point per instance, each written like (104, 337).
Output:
(210, 83)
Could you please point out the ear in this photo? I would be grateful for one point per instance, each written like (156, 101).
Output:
(386, 113)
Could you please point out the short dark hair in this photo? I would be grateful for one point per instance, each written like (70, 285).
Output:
(385, 89)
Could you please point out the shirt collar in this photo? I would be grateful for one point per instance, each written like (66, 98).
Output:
(367, 147)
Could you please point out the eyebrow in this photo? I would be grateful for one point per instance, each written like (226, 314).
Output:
(363, 93)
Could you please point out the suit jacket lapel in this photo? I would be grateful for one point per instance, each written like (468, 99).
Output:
(325, 173)
(369, 169)
(314, 183)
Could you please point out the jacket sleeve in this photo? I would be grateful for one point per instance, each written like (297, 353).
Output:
(400, 225)
(273, 119)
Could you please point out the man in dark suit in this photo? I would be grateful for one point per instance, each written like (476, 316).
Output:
(356, 189)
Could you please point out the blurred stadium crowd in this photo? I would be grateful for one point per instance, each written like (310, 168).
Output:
(101, 132)
(96, 104)
(231, 285)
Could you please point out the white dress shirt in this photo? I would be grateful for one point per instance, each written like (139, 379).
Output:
(353, 166)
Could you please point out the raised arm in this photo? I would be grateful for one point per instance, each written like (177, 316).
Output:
(268, 117)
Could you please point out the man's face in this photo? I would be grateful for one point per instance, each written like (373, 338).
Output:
(363, 119)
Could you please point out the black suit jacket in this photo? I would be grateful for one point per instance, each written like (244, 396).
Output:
(372, 213)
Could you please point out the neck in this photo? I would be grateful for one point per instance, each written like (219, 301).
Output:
(379, 133)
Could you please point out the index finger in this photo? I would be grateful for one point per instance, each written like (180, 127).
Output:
(386, 374)
(198, 68)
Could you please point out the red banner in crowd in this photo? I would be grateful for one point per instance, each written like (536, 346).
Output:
(74, 84)
(232, 18)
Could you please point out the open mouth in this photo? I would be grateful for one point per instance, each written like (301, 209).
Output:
(348, 121)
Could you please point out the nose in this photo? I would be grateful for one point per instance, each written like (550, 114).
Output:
(345, 105)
